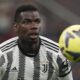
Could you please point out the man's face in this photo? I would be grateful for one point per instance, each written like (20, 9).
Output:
(29, 25)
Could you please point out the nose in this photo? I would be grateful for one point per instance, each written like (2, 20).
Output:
(34, 25)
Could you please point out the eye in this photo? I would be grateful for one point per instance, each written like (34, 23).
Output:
(26, 21)
(37, 21)
(29, 21)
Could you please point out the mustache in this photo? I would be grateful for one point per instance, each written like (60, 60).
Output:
(34, 33)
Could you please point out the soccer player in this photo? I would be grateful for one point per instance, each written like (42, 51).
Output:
(30, 56)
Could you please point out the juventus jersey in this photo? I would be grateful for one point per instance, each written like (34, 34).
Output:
(48, 64)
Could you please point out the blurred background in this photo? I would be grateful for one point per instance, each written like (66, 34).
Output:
(56, 14)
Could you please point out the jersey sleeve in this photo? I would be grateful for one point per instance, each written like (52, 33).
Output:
(67, 77)
(3, 65)
(64, 68)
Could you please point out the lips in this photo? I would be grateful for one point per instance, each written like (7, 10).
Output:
(33, 32)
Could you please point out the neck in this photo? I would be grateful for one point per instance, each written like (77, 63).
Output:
(29, 47)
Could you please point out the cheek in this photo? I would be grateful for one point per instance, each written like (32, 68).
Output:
(22, 31)
(40, 27)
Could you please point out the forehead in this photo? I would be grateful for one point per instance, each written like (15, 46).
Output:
(30, 15)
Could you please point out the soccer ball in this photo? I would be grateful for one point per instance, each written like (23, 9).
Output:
(69, 43)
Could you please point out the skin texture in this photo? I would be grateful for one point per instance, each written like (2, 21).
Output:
(28, 29)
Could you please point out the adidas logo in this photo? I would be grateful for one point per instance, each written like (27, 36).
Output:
(14, 70)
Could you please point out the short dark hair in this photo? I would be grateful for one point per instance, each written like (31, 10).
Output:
(23, 8)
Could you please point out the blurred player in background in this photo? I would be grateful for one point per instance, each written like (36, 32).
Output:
(30, 56)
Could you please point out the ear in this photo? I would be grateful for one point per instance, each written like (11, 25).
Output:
(15, 27)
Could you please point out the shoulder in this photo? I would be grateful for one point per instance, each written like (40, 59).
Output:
(8, 44)
(50, 44)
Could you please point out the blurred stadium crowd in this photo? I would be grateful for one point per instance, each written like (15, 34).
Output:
(57, 15)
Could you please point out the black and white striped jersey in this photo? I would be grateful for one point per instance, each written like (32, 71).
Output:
(48, 64)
